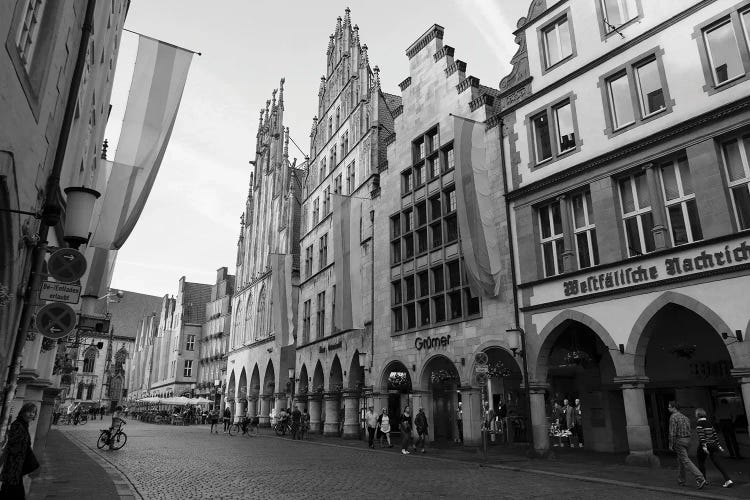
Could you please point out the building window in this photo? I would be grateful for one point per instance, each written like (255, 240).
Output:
(737, 163)
(307, 307)
(557, 41)
(637, 218)
(584, 230)
(337, 184)
(322, 172)
(618, 12)
(434, 166)
(449, 159)
(89, 359)
(333, 157)
(28, 30)
(320, 319)
(188, 369)
(90, 391)
(350, 178)
(326, 201)
(406, 181)
(323, 251)
(724, 48)
(418, 149)
(679, 198)
(190, 343)
(308, 260)
(419, 175)
(554, 131)
(316, 211)
(551, 232)
(636, 93)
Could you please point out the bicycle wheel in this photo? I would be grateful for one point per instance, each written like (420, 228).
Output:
(83, 421)
(119, 440)
(252, 430)
(234, 429)
(102, 441)
(279, 428)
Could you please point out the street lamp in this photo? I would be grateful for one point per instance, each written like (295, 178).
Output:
(78, 211)
(290, 373)
(516, 340)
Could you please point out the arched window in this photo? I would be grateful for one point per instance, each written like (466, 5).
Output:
(260, 324)
(248, 318)
(79, 394)
(89, 359)
(120, 357)
(89, 391)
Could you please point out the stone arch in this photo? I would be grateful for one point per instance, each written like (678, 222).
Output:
(555, 328)
(437, 362)
(260, 319)
(487, 346)
(356, 373)
(248, 318)
(335, 375)
(304, 381)
(255, 381)
(398, 366)
(269, 379)
(318, 378)
(640, 335)
(242, 386)
(231, 386)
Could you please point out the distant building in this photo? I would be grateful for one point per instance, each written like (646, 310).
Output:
(174, 370)
(261, 347)
(143, 350)
(214, 342)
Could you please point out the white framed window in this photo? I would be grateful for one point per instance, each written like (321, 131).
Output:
(679, 200)
(638, 221)
(618, 12)
(190, 343)
(542, 143)
(636, 92)
(188, 369)
(551, 238)
(564, 128)
(736, 155)
(584, 230)
(724, 52)
(558, 44)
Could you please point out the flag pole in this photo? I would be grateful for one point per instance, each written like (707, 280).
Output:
(161, 41)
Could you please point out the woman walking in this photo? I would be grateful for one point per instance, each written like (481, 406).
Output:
(709, 445)
(384, 428)
(405, 425)
(18, 455)
(420, 421)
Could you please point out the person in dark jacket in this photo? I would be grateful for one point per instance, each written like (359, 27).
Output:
(19, 457)
(420, 421)
(709, 445)
(405, 425)
(227, 417)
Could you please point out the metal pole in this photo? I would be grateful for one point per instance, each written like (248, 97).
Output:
(50, 216)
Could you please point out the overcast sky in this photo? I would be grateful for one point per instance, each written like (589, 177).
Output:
(190, 224)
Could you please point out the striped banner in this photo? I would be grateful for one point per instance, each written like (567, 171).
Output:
(155, 92)
(281, 296)
(347, 212)
(476, 220)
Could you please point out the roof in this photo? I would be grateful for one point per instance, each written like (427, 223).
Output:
(128, 311)
(392, 101)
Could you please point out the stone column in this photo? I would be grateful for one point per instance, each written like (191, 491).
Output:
(265, 409)
(280, 401)
(743, 377)
(351, 415)
(331, 427)
(252, 406)
(315, 401)
(471, 397)
(301, 402)
(44, 418)
(238, 409)
(660, 231)
(538, 410)
(639, 432)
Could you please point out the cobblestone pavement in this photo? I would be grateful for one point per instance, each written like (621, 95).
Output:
(167, 462)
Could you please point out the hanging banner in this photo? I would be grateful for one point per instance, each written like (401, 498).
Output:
(347, 212)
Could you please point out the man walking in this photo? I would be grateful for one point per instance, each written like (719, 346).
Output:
(726, 417)
(420, 421)
(296, 421)
(460, 423)
(372, 424)
(679, 440)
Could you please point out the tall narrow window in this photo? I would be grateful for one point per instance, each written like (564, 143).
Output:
(636, 214)
(321, 315)
(322, 169)
(306, 321)
(316, 211)
(723, 52)
(557, 42)
(620, 101)
(650, 92)
(323, 251)
(542, 146)
(308, 260)
(737, 164)
(679, 197)
(350, 178)
(550, 224)
(188, 368)
(450, 159)
(28, 30)
(190, 343)
(584, 230)
(566, 136)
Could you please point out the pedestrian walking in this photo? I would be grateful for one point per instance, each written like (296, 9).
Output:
(371, 421)
(578, 422)
(18, 456)
(460, 423)
(101, 413)
(305, 423)
(296, 422)
(384, 428)
(420, 421)
(405, 426)
(213, 419)
(227, 419)
(679, 441)
(726, 416)
(709, 446)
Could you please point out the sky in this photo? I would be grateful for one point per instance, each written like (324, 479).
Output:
(191, 222)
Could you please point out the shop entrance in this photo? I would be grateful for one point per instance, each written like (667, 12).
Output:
(443, 382)
(505, 396)
(397, 382)
(686, 361)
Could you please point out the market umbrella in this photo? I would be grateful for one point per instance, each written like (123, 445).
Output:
(177, 400)
(150, 399)
(199, 401)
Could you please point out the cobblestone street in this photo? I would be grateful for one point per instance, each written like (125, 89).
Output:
(166, 462)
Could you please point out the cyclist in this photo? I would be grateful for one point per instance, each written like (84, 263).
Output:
(117, 423)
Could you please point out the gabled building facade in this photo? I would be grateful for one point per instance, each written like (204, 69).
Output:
(347, 144)
(214, 342)
(626, 154)
(261, 346)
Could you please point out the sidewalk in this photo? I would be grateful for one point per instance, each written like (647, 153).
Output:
(576, 463)
(69, 472)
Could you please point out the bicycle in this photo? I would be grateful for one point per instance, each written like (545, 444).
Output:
(114, 441)
(282, 427)
(247, 426)
(82, 419)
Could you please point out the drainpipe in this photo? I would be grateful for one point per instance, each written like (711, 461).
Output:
(516, 314)
(372, 294)
(51, 211)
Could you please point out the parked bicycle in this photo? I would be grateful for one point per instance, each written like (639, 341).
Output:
(81, 420)
(115, 440)
(283, 426)
(247, 426)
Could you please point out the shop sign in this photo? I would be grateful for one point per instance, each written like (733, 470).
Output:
(723, 255)
(431, 342)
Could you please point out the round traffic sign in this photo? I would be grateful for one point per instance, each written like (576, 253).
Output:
(481, 358)
(481, 378)
(66, 265)
(55, 320)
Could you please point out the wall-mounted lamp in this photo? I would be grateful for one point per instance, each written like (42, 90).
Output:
(290, 372)
(78, 211)
(737, 335)
(515, 341)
